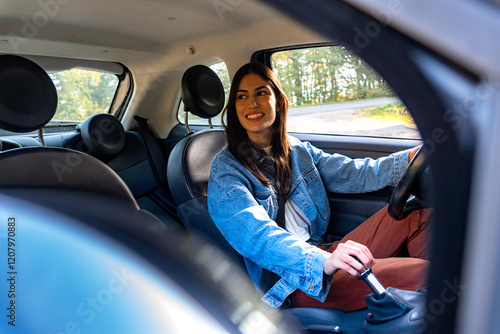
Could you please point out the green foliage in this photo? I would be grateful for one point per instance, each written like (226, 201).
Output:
(221, 70)
(82, 93)
(326, 75)
(390, 111)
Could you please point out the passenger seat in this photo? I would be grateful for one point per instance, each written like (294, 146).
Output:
(189, 163)
(126, 152)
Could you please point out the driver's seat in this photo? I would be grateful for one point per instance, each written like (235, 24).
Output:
(188, 172)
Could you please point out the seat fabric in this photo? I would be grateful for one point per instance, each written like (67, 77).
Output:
(188, 171)
(49, 167)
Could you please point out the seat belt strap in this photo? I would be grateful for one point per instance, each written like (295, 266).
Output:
(280, 216)
(153, 151)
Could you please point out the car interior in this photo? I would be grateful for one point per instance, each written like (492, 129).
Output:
(149, 150)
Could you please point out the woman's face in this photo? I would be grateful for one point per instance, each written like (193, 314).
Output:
(256, 108)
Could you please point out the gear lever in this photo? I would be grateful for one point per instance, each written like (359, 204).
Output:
(371, 280)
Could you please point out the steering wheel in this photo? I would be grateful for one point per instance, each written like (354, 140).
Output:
(399, 205)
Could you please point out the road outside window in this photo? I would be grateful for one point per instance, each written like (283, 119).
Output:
(332, 91)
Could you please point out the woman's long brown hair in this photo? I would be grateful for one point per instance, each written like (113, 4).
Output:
(240, 145)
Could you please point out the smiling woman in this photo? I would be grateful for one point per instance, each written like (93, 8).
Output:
(273, 188)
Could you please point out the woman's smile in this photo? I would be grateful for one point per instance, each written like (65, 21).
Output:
(256, 108)
(255, 117)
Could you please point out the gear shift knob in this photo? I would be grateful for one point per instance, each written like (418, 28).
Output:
(371, 280)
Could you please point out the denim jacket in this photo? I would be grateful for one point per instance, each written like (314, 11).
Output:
(244, 210)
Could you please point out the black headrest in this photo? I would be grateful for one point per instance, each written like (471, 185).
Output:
(202, 92)
(103, 135)
(28, 97)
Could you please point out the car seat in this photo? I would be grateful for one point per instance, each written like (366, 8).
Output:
(28, 101)
(103, 136)
(188, 172)
(189, 162)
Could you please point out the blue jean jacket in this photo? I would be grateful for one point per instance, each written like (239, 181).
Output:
(244, 210)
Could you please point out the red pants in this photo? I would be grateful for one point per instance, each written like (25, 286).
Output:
(385, 237)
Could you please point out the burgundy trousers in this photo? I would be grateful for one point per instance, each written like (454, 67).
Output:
(385, 237)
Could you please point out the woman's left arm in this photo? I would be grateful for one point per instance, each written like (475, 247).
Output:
(342, 174)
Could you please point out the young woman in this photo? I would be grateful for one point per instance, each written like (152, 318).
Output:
(262, 161)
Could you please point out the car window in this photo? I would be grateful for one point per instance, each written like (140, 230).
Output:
(221, 70)
(82, 93)
(332, 91)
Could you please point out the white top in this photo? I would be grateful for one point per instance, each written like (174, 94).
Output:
(296, 221)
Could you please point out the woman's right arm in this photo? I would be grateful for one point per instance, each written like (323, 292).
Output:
(246, 225)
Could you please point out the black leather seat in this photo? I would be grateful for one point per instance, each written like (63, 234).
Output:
(28, 101)
(188, 172)
(126, 153)
(189, 162)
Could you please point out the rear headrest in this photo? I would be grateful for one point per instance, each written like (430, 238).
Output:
(103, 135)
(28, 97)
(202, 92)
